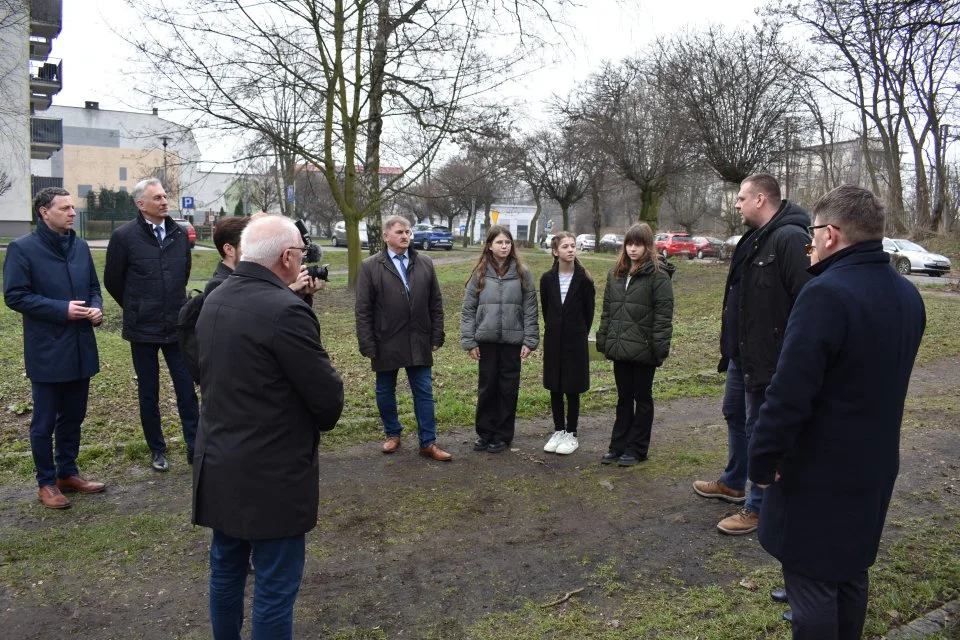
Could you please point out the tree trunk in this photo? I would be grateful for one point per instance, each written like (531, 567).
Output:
(565, 211)
(650, 207)
(532, 231)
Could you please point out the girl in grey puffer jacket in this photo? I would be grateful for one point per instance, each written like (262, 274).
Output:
(499, 327)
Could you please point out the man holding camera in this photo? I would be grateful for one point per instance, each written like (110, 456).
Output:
(268, 389)
(49, 278)
(399, 313)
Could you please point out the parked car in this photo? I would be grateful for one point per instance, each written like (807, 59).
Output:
(340, 234)
(611, 242)
(708, 247)
(428, 236)
(191, 232)
(586, 242)
(909, 257)
(672, 244)
(547, 239)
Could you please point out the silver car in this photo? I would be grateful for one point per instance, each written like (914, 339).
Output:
(586, 242)
(909, 257)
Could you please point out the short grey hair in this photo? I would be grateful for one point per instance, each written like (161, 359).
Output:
(393, 221)
(266, 238)
(141, 186)
(854, 210)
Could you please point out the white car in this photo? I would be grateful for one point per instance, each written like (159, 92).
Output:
(340, 234)
(586, 242)
(909, 257)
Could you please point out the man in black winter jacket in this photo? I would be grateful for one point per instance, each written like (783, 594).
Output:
(767, 271)
(148, 265)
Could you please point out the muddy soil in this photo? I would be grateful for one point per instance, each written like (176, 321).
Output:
(414, 548)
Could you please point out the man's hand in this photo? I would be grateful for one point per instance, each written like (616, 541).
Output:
(305, 285)
(76, 310)
(475, 353)
(95, 316)
(525, 351)
(435, 347)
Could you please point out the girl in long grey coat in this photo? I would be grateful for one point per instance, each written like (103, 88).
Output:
(499, 328)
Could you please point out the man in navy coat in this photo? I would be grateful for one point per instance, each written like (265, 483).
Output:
(826, 445)
(48, 277)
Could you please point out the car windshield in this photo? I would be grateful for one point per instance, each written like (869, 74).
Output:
(906, 245)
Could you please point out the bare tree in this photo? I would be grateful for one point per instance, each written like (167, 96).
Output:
(736, 87)
(368, 72)
(692, 198)
(631, 113)
(561, 164)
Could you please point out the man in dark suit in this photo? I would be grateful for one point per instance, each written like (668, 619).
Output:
(827, 441)
(48, 277)
(148, 265)
(400, 324)
(268, 391)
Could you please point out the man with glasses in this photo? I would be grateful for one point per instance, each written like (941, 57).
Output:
(399, 325)
(767, 271)
(827, 441)
(269, 390)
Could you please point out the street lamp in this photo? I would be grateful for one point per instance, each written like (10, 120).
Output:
(166, 183)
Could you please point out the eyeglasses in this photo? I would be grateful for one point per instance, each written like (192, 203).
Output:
(814, 227)
(302, 250)
(809, 249)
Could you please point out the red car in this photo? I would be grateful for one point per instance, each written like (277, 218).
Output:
(708, 247)
(671, 244)
(191, 232)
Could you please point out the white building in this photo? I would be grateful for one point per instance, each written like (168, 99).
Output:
(516, 217)
(28, 81)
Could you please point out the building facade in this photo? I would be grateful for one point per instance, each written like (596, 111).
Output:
(29, 79)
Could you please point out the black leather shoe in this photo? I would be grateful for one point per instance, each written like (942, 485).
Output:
(497, 446)
(159, 462)
(627, 460)
(779, 595)
(481, 444)
(609, 458)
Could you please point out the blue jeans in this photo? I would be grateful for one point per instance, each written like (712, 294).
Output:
(421, 385)
(741, 408)
(279, 563)
(146, 364)
(58, 408)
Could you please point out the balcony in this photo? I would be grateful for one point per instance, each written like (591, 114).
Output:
(46, 18)
(42, 182)
(46, 137)
(40, 48)
(46, 80)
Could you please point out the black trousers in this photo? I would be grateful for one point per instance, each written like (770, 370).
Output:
(631, 431)
(573, 411)
(826, 610)
(497, 391)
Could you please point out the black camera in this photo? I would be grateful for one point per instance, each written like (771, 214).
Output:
(313, 254)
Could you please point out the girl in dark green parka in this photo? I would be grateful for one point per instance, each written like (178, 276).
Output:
(635, 330)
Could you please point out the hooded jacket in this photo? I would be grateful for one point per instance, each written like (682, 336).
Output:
(768, 269)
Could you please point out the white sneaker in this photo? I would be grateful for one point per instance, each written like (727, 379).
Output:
(555, 439)
(569, 444)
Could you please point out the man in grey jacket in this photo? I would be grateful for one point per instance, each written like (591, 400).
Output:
(399, 314)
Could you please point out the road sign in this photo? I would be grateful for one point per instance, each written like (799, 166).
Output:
(495, 215)
(186, 202)
(291, 196)
(463, 229)
(549, 225)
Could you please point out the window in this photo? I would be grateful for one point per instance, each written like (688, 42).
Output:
(522, 231)
(83, 190)
(123, 173)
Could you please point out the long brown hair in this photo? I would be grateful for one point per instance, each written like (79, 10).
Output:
(555, 245)
(639, 234)
(486, 257)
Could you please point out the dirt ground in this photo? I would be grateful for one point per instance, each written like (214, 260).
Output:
(408, 547)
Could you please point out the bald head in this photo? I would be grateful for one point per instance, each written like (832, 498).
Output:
(273, 242)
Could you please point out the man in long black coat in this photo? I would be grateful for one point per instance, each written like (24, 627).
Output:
(268, 391)
(399, 313)
(827, 441)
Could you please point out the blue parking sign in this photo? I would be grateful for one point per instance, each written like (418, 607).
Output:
(186, 202)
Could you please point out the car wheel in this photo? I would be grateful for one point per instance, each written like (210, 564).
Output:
(450, 248)
(426, 245)
(336, 241)
(935, 274)
(903, 266)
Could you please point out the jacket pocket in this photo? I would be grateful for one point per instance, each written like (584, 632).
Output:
(765, 270)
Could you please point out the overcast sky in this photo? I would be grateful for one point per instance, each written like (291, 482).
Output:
(96, 61)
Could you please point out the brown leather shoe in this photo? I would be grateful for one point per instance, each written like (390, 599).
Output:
(51, 497)
(78, 484)
(391, 444)
(435, 452)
